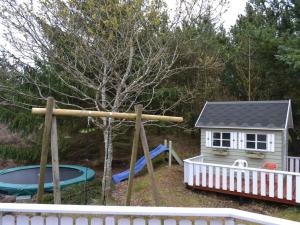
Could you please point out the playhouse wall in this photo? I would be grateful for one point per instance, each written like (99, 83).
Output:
(234, 154)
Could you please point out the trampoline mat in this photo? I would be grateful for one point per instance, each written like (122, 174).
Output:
(31, 176)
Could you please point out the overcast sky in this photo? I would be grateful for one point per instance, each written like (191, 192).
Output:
(236, 7)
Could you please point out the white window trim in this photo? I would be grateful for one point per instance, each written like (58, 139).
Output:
(220, 139)
(256, 149)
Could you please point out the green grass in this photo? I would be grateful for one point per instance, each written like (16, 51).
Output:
(138, 187)
(173, 193)
(75, 194)
(291, 213)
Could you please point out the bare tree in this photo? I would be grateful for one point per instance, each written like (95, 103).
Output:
(91, 54)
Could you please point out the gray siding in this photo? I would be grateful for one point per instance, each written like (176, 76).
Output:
(234, 154)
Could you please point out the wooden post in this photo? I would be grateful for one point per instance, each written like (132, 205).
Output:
(135, 144)
(170, 154)
(45, 147)
(150, 166)
(55, 162)
(166, 142)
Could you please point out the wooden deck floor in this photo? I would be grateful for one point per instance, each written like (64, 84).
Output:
(261, 195)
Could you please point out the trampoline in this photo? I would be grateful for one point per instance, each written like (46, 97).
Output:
(24, 180)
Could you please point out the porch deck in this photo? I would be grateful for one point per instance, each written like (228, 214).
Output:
(261, 194)
(269, 185)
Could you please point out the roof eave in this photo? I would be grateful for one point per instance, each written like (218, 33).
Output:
(201, 113)
(247, 102)
(289, 117)
(242, 128)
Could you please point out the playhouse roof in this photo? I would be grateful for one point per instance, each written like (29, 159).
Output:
(275, 115)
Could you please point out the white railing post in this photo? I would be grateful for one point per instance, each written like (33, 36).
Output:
(297, 164)
(289, 188)
(271, 185)
(224, 178)
(229, 221)
(293, 164)
(254, 182)
(247, 182)
(191, 174)
(185, 172)
(280, 186)
(197, 174)
(203, 173)
(239, 180)
(210, 176)
(217, 181)
(263, 183)
(298, 189)
(231, 179)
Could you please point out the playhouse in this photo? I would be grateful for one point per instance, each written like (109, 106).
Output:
(244, 151)
(255, 131)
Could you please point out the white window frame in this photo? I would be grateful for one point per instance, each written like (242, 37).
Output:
(221, 139)
(256, 142)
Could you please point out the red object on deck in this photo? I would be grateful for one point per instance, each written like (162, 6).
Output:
(269, 166)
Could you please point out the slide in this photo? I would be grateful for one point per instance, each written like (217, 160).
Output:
(139, 165)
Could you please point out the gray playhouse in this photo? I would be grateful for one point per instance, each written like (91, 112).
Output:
(255, 131)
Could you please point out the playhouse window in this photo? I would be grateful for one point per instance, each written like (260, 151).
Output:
(221, 139)
(256, 141)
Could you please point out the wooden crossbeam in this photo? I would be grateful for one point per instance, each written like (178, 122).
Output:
(116, 115)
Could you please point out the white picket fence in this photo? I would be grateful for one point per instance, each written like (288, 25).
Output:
(293, 164)
(274, 185)
(26, 214)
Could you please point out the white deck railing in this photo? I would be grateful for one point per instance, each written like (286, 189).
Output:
(25, 214)
(268, 184)
(293, 164)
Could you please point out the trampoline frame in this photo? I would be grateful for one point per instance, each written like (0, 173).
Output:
(31, 189)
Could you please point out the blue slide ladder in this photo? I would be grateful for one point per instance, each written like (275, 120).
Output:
(140, 164)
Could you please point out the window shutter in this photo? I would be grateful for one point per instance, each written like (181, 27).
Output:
(208, 138)
(271, 142)
(242, 140)
(234, 140)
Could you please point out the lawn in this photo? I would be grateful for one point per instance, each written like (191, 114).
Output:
(173, 193)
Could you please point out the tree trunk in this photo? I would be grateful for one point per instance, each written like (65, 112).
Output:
(108, 149)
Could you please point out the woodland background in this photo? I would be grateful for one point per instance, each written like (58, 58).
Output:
(110, 54)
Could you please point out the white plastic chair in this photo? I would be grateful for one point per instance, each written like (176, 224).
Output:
(240, 163)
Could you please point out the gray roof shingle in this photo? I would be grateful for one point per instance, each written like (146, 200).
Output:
(250, 114)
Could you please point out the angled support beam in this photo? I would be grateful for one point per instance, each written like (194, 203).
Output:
(135, 144)
(45, 147)
(55, 162)
(145, 145)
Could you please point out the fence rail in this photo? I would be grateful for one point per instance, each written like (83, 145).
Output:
(293, 164)
(273, 185)
(25, 214)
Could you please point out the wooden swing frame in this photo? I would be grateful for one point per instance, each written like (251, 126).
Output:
(50, 140)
